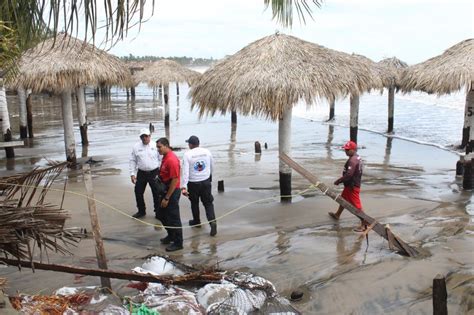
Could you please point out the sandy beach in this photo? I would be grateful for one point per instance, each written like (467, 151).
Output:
(410, 186)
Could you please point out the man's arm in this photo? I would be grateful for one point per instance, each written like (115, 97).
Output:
(171, 189)
(132, 164)
(185, 178)
(351, 168)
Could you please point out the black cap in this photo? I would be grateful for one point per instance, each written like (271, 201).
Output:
(193, 140)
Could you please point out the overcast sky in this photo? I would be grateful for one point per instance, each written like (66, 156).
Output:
(412, 30)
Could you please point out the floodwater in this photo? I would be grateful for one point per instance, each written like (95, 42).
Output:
(410, 186)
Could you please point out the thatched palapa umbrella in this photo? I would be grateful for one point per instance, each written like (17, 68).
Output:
(161, 73)
(394, 69)
(65, 64)
(269, 76)
(449, 72)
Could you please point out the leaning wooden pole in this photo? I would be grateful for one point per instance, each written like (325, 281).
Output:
(383, 231)
(99, 245)
(188, 278)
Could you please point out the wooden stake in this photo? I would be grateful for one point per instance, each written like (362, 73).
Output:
(398, 243)
(99, 246)
(440, 296)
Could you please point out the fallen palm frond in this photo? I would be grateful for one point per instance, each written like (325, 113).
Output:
(25, 217)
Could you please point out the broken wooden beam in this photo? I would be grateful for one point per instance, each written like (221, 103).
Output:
(198, 277)
(398, 243)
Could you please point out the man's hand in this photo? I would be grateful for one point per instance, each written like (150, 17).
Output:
(164, 203)
(134, 179)
(337, 182)
(184, 192)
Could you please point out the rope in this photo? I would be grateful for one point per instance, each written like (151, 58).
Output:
(309, 189)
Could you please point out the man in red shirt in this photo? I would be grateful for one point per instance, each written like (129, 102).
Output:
(169, 209)
(351, 177)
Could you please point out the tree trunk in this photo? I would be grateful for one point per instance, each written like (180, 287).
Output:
(354, 118)
(22, 113)
(68, 124)
(233, 117)
(5, 121)
(332, 108)
(82, 114)
(284, 146)
(167, 105)
(468, 130)
(391, 108)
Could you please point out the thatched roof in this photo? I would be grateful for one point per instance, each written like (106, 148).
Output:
(394, 67)
(376, 69)
(443, 74)
(164, 71)
(68, 64)
(276, 72)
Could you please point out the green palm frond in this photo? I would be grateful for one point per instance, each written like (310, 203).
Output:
(282, 10)
(9, 50)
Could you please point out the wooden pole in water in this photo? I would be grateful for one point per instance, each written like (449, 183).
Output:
(99, 245)
(258, 148)
(82, 114)
(177, 88)
(69, 142)
(29, 115)
(470, 117)
(5, 121)
(332, 109)
(398, 243)
(354, 117)
(468, 112)
(166, 93)
(391, 108)
(440, 296)
(22, 113)
(284, 148)
(233, 117)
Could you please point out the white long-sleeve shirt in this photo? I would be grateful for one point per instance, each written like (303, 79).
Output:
(144, 157)
(198, 165)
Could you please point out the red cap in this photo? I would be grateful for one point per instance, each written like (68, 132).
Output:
(350, 145)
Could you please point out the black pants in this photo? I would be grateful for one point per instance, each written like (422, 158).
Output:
(170, 216)
(143, 178)
(201, 190)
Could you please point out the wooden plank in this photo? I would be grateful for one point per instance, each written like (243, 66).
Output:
(11, 144)
(189, 278)
(440, 296)
(99, 245)
(400, 245)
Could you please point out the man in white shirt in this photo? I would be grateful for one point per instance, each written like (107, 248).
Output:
(198, 165)
(144, 167)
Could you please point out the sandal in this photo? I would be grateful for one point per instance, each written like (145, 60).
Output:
(359, 229)
(333, 215)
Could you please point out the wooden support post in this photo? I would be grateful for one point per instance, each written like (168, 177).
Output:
(189, 278)
(258, 148)
(398, 243)
(99, 246)
(220, 186)
(440, 296)
(29, 116)
(166, 90)
(233, 117)
(467, 177)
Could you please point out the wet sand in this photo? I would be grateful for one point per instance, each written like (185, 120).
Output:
(410, 186)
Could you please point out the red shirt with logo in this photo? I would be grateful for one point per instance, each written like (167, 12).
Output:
(170, 168)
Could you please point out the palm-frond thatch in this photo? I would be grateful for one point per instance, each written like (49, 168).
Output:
(65, 63)
(164, 71)
(443, 74)
(26, 221)
(274, 73)
(376, 69)
(394, 68)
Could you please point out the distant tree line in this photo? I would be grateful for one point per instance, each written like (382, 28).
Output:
(185, 61)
